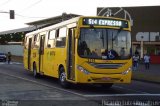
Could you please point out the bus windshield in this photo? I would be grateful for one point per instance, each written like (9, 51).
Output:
(100, 43)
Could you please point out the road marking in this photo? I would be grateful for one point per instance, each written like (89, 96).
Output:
(131, 90)
(85, 95)
(117, 95)
(2, 63)
(42, 84)
(10, 63)
(16, 63)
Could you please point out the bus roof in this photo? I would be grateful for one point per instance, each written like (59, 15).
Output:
(73, 20)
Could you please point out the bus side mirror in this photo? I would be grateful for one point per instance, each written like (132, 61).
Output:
(49, 46)
(76, 33)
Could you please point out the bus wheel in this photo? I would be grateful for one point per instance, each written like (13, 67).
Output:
(35, 74)
(62, 78)
(108, 85)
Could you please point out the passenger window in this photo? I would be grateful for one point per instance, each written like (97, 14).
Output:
(61, 37)
(35, 38)
(51, 39)
(36, 41)
(51, 34)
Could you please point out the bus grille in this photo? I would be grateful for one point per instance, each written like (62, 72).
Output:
(106, 66)
(105, 79)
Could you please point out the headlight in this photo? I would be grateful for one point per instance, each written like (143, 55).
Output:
(126, 72)
(80, 68)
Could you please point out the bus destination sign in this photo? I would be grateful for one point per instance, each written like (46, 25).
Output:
(105, 22)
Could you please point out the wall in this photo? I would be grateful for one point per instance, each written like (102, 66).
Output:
(16, 50)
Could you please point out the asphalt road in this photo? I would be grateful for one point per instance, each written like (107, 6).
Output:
(19, 87)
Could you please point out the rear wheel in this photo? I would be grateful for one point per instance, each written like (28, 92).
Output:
(62, 78)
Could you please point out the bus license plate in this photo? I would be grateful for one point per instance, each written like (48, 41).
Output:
(106, 78)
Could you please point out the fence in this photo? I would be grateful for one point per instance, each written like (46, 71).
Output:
(16, 50)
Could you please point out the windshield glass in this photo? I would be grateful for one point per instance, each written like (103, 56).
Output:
(2, 54)
(104, 43)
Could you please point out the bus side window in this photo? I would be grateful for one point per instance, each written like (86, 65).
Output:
(36, 41)
(61, 37)
(51, 39)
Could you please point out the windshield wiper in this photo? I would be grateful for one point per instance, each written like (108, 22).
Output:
(102, 38)
(119, 30)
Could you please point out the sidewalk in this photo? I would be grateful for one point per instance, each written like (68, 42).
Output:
(151, 75)
(17, 59)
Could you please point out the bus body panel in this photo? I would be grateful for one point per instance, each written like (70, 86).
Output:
(25, 59)
(103, 78)
(49, 63)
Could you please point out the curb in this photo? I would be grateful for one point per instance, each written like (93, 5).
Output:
(142, 80)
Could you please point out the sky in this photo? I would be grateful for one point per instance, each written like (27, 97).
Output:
(32, 10)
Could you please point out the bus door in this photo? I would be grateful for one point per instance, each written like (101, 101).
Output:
(71, 55)
(29, 53)
(41, 53)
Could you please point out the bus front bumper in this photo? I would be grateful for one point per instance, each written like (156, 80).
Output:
(103, 78)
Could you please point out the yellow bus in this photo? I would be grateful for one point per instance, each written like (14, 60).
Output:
(86, 50)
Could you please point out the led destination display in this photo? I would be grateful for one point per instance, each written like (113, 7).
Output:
(105, 22)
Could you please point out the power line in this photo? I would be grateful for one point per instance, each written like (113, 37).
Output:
(4, 3)
(29, 16)
(30, 6)
(1, 11)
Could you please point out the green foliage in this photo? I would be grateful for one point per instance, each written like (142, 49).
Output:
(13, 37)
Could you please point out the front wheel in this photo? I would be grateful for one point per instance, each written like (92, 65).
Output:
(62, 78)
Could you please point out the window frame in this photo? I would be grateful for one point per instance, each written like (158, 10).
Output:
(61, 39)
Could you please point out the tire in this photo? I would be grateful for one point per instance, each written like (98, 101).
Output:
(35, 74)
(107, 86)
(62, 78)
